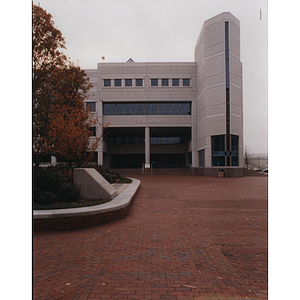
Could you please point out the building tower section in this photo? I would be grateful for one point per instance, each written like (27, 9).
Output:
(219, 96)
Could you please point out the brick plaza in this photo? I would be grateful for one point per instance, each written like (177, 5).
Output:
(186, 237)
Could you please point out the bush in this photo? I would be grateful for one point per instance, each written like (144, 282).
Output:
(53, 185)
(107, 173)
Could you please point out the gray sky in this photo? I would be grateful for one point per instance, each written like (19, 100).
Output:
(167, 30)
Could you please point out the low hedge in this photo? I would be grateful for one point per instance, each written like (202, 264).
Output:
(55, 184)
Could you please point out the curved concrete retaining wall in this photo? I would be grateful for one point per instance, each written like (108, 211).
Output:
(75, 218)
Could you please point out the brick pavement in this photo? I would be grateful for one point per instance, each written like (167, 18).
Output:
(186, 237)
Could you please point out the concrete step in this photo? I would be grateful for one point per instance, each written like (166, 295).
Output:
(169, 171)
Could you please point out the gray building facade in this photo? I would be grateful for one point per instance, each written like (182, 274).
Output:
(167, 115)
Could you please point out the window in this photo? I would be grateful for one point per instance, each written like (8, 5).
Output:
(218, 150)
(107, 82)
(139, 82)
(165, 82)
(92, 131)
(202, 158)
(227, 78)
(128, 82)
(90, 106)
(154, 82)
(175, 82)
(118, 82)
(186, 82)
(142, 108)
(167, 140)
(225, 150)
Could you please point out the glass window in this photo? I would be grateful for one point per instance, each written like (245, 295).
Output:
(152, 108)
(154, 82)
(175, 82)
(234, 143)
(140, 109)
(107, 82)
(218, 143)
(90, 106)
(201, 158)
(186, 108)
(165, 82)
(218, 161)
(118, 82)
(128, 82)
(228, 156)
(235, 161)
(186, 82)
(92, 131)
(119, 109)
(108, 109)
(128, 109)
(139, 82)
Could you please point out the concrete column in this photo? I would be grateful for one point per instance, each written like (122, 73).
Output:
(195, 157)
(53, 161)
(147, 147)
(100, 157)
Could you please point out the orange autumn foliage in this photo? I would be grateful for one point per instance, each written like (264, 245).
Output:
(60, 120)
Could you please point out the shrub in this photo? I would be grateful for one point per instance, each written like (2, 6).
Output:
(53, 185)
(110, 175)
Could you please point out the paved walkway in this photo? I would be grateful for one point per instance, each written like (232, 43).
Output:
(186, 237)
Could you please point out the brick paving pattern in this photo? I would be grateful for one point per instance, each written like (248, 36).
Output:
(186, 237)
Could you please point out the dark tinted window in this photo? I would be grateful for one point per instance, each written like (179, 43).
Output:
(175, 82)
(128, 82)
(154, 82)
(117, 82)
(139, 82)
(234, 143)
(90, 106)
(222, 156)
(92, 131)
(107, 82)
(153, 108)
(218, 143)
(165, 82)
(218, 161)
(186, 82)
(201, 158)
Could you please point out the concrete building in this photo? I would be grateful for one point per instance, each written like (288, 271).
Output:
(164, 115)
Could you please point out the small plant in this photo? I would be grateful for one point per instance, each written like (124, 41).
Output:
(54, 185)
(110, 175)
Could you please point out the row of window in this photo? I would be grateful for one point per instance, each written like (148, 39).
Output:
(141, 140)
(140, 82)
(142, 108)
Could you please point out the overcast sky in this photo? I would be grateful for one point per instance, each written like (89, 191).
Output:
(167, 31)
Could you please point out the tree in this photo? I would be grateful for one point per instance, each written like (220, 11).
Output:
(69, 122)
(47, 41)
(248, 157)
(60, 120)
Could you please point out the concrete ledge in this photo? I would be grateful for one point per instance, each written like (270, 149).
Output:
(92, 184)
(82, 217)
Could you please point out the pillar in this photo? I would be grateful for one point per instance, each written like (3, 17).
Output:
(147, 147)
(53, 161)
(100, 157)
